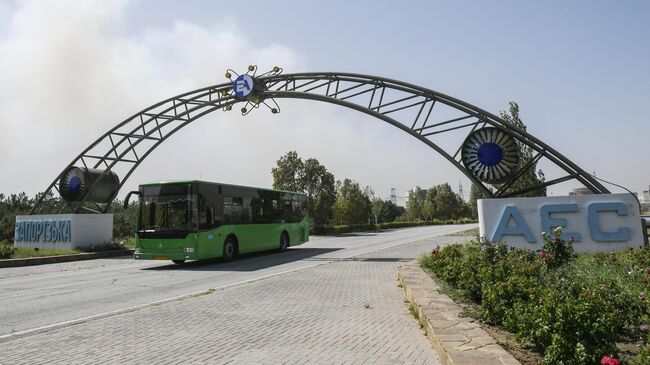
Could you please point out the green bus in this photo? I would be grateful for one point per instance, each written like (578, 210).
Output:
(198, 220)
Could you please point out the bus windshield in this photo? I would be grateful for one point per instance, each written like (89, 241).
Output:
(167, 211)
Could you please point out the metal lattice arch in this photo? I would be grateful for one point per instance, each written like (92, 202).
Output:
(411, 108)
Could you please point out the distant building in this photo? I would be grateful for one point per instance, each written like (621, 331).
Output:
(645, 201)
(580, 191)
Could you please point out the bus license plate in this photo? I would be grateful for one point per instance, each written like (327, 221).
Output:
(161, 257)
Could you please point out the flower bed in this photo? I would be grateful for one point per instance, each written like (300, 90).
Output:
(574, 309)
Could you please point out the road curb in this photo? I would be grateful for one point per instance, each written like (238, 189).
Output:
(457, 340)
(62, 258)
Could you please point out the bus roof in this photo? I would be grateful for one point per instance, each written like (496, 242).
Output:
(170, 182)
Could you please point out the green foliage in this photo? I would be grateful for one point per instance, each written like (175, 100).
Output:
(7, 249)
(572, 308)
(352, 205)
(334, 230)
(438, 202)
(124, 220)
(384, 210)
(415, 203)
(311, 178)
(556, 251)
(531, 177)
(475, 194)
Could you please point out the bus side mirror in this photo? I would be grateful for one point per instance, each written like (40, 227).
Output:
(128, 196)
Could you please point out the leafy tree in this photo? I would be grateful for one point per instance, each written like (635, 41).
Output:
(352, 206)
(124, 220)
(310, 177)
(449, 204)
(474, 194)
(319, 185)
(414, 204)
(391, 212)
(429, 207)
(532, 176)
(383, 210)
(288, 175)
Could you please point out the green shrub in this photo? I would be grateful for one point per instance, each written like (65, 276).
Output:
(7, 249)
(572, 308)
(556, 251)
(334, 230)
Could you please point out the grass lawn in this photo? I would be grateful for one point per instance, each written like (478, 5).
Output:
(24, 252)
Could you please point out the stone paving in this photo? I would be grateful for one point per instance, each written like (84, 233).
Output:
(350, 311)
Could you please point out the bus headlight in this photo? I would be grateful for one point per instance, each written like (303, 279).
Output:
(189, 249)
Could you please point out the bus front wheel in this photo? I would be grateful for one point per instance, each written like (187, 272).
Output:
(229, 249)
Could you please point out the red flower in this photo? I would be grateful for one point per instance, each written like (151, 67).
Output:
(606, 360)
(435, 251)
(647, 271)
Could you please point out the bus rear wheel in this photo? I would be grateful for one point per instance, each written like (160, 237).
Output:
(284, 241)
(229, 249)
(178, 262)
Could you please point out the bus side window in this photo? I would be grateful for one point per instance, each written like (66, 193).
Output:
(295, 211)
(286, 209)
(227, 210)
(209, 215)
(235, 215)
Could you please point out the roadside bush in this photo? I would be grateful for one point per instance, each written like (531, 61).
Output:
(571, 308)
(7, 249)
(352, 228)
(556, 251)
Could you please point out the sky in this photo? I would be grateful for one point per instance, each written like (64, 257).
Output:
(70, 70)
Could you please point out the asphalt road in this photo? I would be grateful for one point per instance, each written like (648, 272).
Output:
(32, 297)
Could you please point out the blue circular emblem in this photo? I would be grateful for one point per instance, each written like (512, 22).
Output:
(75, 184)
(490, 154)
(243, 86)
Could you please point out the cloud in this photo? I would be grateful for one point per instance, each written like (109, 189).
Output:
(70, 71)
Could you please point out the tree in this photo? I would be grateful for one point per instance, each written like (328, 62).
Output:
(352, 204)
(414, 204)
(449, 204)
(288, 175)
(383, 210)
(391, 212)
(532, 176)
(474, 194)
(429, 207)
(319, 184)
(311, 178)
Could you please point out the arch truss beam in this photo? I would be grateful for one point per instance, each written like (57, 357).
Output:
(441, 122)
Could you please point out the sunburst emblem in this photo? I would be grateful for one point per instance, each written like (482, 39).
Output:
(490, 154)
(249, 87)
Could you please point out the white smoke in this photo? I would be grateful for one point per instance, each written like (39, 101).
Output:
(69, 71)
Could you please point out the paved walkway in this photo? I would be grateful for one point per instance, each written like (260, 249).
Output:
(350, 311)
